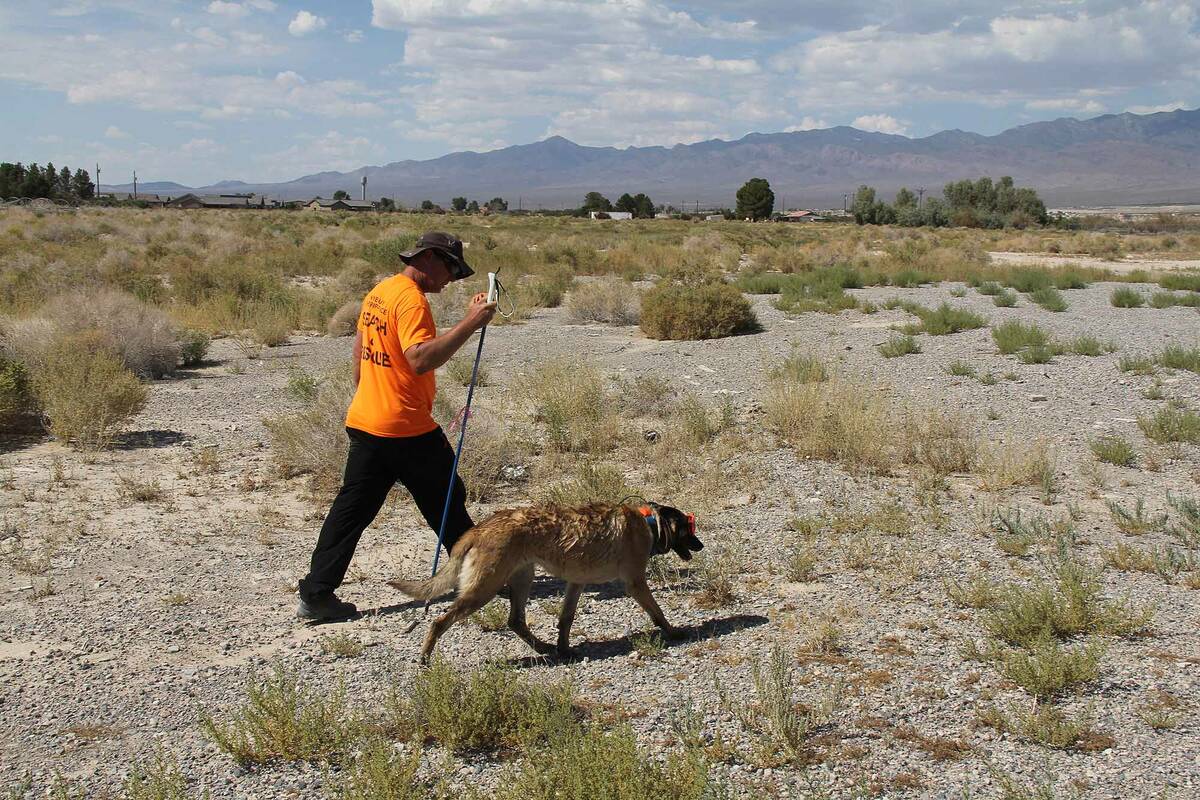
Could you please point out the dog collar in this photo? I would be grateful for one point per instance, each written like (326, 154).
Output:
(658, 541)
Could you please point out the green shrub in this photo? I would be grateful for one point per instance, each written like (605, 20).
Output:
(822, 290)
(1090, 346)
(989, 288)
(1171, 424)
(1170, 300)
(16, 393)
(1125, 297)
(799, 367)
(1013, 336)
(945, 319)
(1049, 298)
(594, 764)
(707, 311)
(85, 390)
(381, 773)
(1038, 354)
(1141, 365)
(1178, 357)
(1006, 298)
(1047, 668)
(1186, 281)
(1028, 280)
(491, 708)
(313, 441)
(193, 347)
(1114, 450)
(961, 369)
(282, 720)
(899, 346)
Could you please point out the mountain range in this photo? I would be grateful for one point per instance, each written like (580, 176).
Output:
(1107, 160)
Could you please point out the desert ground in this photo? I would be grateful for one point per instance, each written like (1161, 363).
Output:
(879, 539)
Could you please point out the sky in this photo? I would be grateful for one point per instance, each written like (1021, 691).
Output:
(267, 90)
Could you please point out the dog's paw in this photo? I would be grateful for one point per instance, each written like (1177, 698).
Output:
(568, 654)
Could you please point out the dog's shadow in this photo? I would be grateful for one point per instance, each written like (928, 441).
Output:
(603, 649)
(545, 587)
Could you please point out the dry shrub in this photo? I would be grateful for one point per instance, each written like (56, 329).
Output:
(709, 310)
(344, 321)
(571, 402)
(85, 391)
(491, 449)
(313, 441)
(835, 421)
(1016, 463)
(142, 336)
(940, 442)
(604, 301)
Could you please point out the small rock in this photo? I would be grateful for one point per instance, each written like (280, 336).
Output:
(650, 436)
(1038, 398)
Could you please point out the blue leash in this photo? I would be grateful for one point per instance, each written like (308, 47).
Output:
(462, 434)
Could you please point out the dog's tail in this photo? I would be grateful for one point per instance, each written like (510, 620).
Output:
(446, 580)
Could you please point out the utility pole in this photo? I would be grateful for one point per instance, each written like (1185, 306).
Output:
(845, 202)
(364, 187)
(920, 196)
(96, 194)
(135, 184)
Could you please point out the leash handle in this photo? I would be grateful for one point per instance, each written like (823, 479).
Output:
(462, 434)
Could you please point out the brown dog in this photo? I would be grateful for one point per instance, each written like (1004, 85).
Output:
(594, 543)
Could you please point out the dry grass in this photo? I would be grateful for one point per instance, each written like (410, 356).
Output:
(1016, 463)
(607, 302)
(571, 403)
(313, 440)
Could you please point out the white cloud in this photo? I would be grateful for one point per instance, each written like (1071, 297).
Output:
(880, 123)
(807, 123)
(1073, 104)
(332, 150)
(227, 9)
(353, 36)
(1172, 106)
(50, 138)
(195, 148)
(305, 23)
(113, 132)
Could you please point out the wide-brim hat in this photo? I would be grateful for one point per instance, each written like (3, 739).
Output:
(450, 247)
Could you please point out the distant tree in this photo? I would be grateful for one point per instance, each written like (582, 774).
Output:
(34, 183)
(427, 205)
(625, 203)
(643, 206)
(755, 199)
(473, 207)
(459, 204)
(386, 204)
(905, 198)
(341, 195)
(62, 182)
(594, 201)
(81, 185)
(497, 204)
(864, 202)
(11, 178)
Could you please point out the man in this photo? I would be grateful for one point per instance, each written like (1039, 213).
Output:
(393, 436)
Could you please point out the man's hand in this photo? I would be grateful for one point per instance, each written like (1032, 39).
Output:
(480, 312)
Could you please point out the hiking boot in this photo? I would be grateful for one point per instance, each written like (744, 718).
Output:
(325, 608)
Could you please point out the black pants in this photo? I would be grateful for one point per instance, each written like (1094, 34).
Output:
(421, 463)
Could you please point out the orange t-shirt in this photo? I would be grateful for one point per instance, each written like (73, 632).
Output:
(393, 400)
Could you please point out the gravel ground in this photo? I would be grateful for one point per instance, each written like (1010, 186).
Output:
(156, 611)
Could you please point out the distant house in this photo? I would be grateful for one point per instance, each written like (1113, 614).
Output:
(321, 204)
(222, 201)
(800, 216)
(714, 218)
(152, 200)
(612, 215)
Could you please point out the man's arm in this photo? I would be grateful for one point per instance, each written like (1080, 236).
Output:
(357, 357)
(427, 356)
